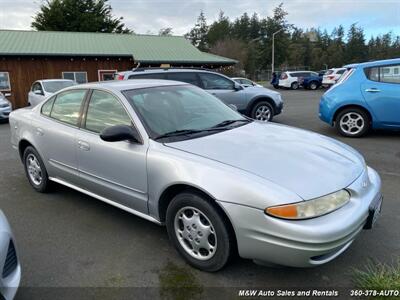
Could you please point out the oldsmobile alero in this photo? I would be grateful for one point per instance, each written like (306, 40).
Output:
(221, 183)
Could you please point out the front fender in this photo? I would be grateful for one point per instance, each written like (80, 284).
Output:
(167, 166)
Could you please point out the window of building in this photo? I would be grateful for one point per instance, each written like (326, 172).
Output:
(78, 77)
(105, 75)
(5, 81)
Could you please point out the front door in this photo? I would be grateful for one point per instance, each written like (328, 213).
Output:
(114, 170)
(223, 88)
(382, 93)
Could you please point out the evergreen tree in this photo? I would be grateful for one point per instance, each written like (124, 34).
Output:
(77, 15)
(198, 34)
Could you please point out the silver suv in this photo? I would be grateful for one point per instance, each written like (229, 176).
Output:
(256, 102)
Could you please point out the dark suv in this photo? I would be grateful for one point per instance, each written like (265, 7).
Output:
(256, 102)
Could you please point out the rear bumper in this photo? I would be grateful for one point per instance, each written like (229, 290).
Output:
(303, 243)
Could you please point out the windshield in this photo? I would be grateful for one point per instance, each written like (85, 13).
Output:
(55, 86)
(180, 109)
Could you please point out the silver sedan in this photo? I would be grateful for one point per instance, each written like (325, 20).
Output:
(221, 183)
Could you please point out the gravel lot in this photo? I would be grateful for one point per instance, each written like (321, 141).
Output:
(66, 239)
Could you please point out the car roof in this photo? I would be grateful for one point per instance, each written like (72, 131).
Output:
(122, 85)
(50, 80)
(374, 63)
(164, 70)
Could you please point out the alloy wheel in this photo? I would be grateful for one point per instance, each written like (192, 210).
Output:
(195, 233)
(263, 113)
(352, 123)
(34, 170)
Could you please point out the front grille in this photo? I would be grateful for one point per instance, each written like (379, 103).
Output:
(11, 260)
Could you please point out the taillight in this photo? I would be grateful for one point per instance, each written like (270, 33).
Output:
(120, 77)
(284, 76)
(331, 77)
(346, 76)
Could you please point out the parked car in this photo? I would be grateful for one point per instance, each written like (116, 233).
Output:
(332, 76)
(174, 154)
(5, 107)
(367, 96)
(42, 89)
(312, 82)
(291, 79)
(256, 102)
(9, 262)
(246, 82)
(322, 72)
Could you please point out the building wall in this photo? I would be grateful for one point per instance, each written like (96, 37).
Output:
(23, 71)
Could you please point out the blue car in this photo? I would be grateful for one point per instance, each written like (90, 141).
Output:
(312, 82)
(366, 96)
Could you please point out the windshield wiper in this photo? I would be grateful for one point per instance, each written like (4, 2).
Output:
(184, 132)
(229, 122)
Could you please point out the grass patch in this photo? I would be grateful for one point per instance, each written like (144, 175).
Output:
(378, 276)
(178, 283)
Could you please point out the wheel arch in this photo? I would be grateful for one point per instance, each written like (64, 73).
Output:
(259, 99)
(22, 145)
(358, 106)
(171, 191)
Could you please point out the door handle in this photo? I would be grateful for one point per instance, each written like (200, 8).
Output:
(372, 90)
(39, 131)
(83, 146)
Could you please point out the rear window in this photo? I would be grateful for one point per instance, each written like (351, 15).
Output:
(341, 71)
(329, 72)
(148, 76)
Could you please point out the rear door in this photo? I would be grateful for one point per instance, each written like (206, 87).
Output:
(381, 91)
(223, 88)
(114, 170)
(55, 133)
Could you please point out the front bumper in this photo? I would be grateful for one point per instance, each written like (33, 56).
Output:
(5, 112)
(304, 243)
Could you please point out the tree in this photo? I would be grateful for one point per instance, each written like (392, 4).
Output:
(356, 49)
(165, 31)
(219, 30)
(78, 15)
(198, 34)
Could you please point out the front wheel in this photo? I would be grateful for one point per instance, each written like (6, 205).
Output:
(352, 122)
(199, 232)
(262, 111)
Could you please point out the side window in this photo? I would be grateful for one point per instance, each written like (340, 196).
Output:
(340, 72)
(105, 110)
(184, 77)
(46, 107)
(390, 74)
(67, 106)
(148, 76)
(215, 82)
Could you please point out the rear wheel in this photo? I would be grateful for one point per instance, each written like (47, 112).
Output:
(198, 232)
(352, 122)
(262, 111)
(294, 85)
(313, 85)
(35, 170)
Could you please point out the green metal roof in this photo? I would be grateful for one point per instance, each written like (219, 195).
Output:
(143, 48)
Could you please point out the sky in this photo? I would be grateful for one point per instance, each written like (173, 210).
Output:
(148, 16)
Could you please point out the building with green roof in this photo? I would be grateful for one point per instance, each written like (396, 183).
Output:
(27, 56)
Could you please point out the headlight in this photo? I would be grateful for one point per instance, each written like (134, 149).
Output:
(311, 208)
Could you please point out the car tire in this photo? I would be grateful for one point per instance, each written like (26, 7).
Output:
(352, 122)
(294, 85)
(262, 111)
(313, 85)
(276, 86)
(35, 170)
(193, 220)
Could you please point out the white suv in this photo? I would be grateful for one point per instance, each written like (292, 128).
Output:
(291, 79)
(332, 76)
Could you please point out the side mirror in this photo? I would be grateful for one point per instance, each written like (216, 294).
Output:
(38, 92)
(120, 133)
(237, 86)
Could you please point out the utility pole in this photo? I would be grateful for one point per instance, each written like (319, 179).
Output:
(273, 49)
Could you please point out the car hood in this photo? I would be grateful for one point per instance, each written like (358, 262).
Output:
(306, 163)
(260, 90)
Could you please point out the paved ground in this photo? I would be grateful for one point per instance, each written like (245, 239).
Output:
(67, 239)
